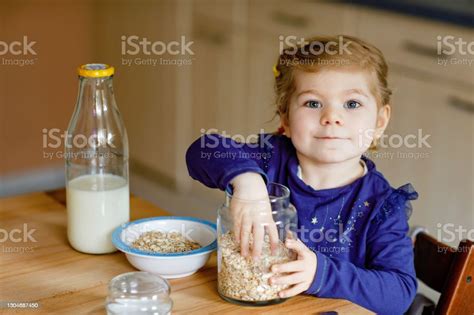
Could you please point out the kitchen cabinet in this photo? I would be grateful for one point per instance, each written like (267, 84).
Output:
(429, 99)
(440, 168)
(261, 109)
(413, 43)
(218, 87)
(149, 96)
(299, 18)
(218, 76)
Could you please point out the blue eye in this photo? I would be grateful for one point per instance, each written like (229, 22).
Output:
(313, 104)
(352, 104)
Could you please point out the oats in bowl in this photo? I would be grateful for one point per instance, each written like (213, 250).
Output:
(164, 242)
(170, 254)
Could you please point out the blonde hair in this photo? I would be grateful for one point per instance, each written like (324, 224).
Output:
(351, 52)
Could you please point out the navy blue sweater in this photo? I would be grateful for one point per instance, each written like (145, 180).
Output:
(358, 231)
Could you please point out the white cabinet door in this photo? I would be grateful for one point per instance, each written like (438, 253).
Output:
(299, 18)
(218, 75)
(261, 106)
(219, 86)
(441, 168)
(436, 48)
(145, 92)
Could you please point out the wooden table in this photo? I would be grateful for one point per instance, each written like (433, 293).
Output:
(44, 269)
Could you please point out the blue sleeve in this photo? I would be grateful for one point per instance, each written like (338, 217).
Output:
(387, 284)
(215, 160)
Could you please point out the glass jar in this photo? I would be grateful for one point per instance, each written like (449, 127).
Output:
(96, 160)
(138, 293)
(242, 280)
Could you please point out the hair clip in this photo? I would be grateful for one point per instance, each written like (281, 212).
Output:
(276, 73)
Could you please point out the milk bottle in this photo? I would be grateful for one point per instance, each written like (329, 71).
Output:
(96, 156)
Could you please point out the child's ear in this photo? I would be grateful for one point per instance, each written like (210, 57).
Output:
(383, 117)
(285, 124)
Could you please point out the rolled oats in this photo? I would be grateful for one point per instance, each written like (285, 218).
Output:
(164, 242)
(242, 278)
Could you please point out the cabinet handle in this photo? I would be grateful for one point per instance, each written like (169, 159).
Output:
(284, 18)
(423, 50)
(461, 104)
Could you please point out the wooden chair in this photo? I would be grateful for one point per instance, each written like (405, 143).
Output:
(447, 270)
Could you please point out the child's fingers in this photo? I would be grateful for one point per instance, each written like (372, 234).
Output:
(273, 235)
(235, 212)
(297, 246)
(245, 231)
(292, 266)
(294, 290)
(258, 234)
(293, 278)
(290, 235)
(237, 228)
(237, 233)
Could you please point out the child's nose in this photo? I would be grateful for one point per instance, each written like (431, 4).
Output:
(331, 117)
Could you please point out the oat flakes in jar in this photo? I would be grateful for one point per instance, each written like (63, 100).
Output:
(242, 280)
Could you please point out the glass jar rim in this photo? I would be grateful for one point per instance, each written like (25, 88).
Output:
(272, 198)
(160, 284)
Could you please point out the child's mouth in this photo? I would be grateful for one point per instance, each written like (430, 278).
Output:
(331, 138)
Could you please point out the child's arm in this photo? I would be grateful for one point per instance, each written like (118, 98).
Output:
(387, 285)
(219, 162)
(215, 160)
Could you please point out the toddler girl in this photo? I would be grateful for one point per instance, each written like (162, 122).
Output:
(352, 225)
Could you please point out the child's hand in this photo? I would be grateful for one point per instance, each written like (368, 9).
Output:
(301, 272)
(252, 213)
